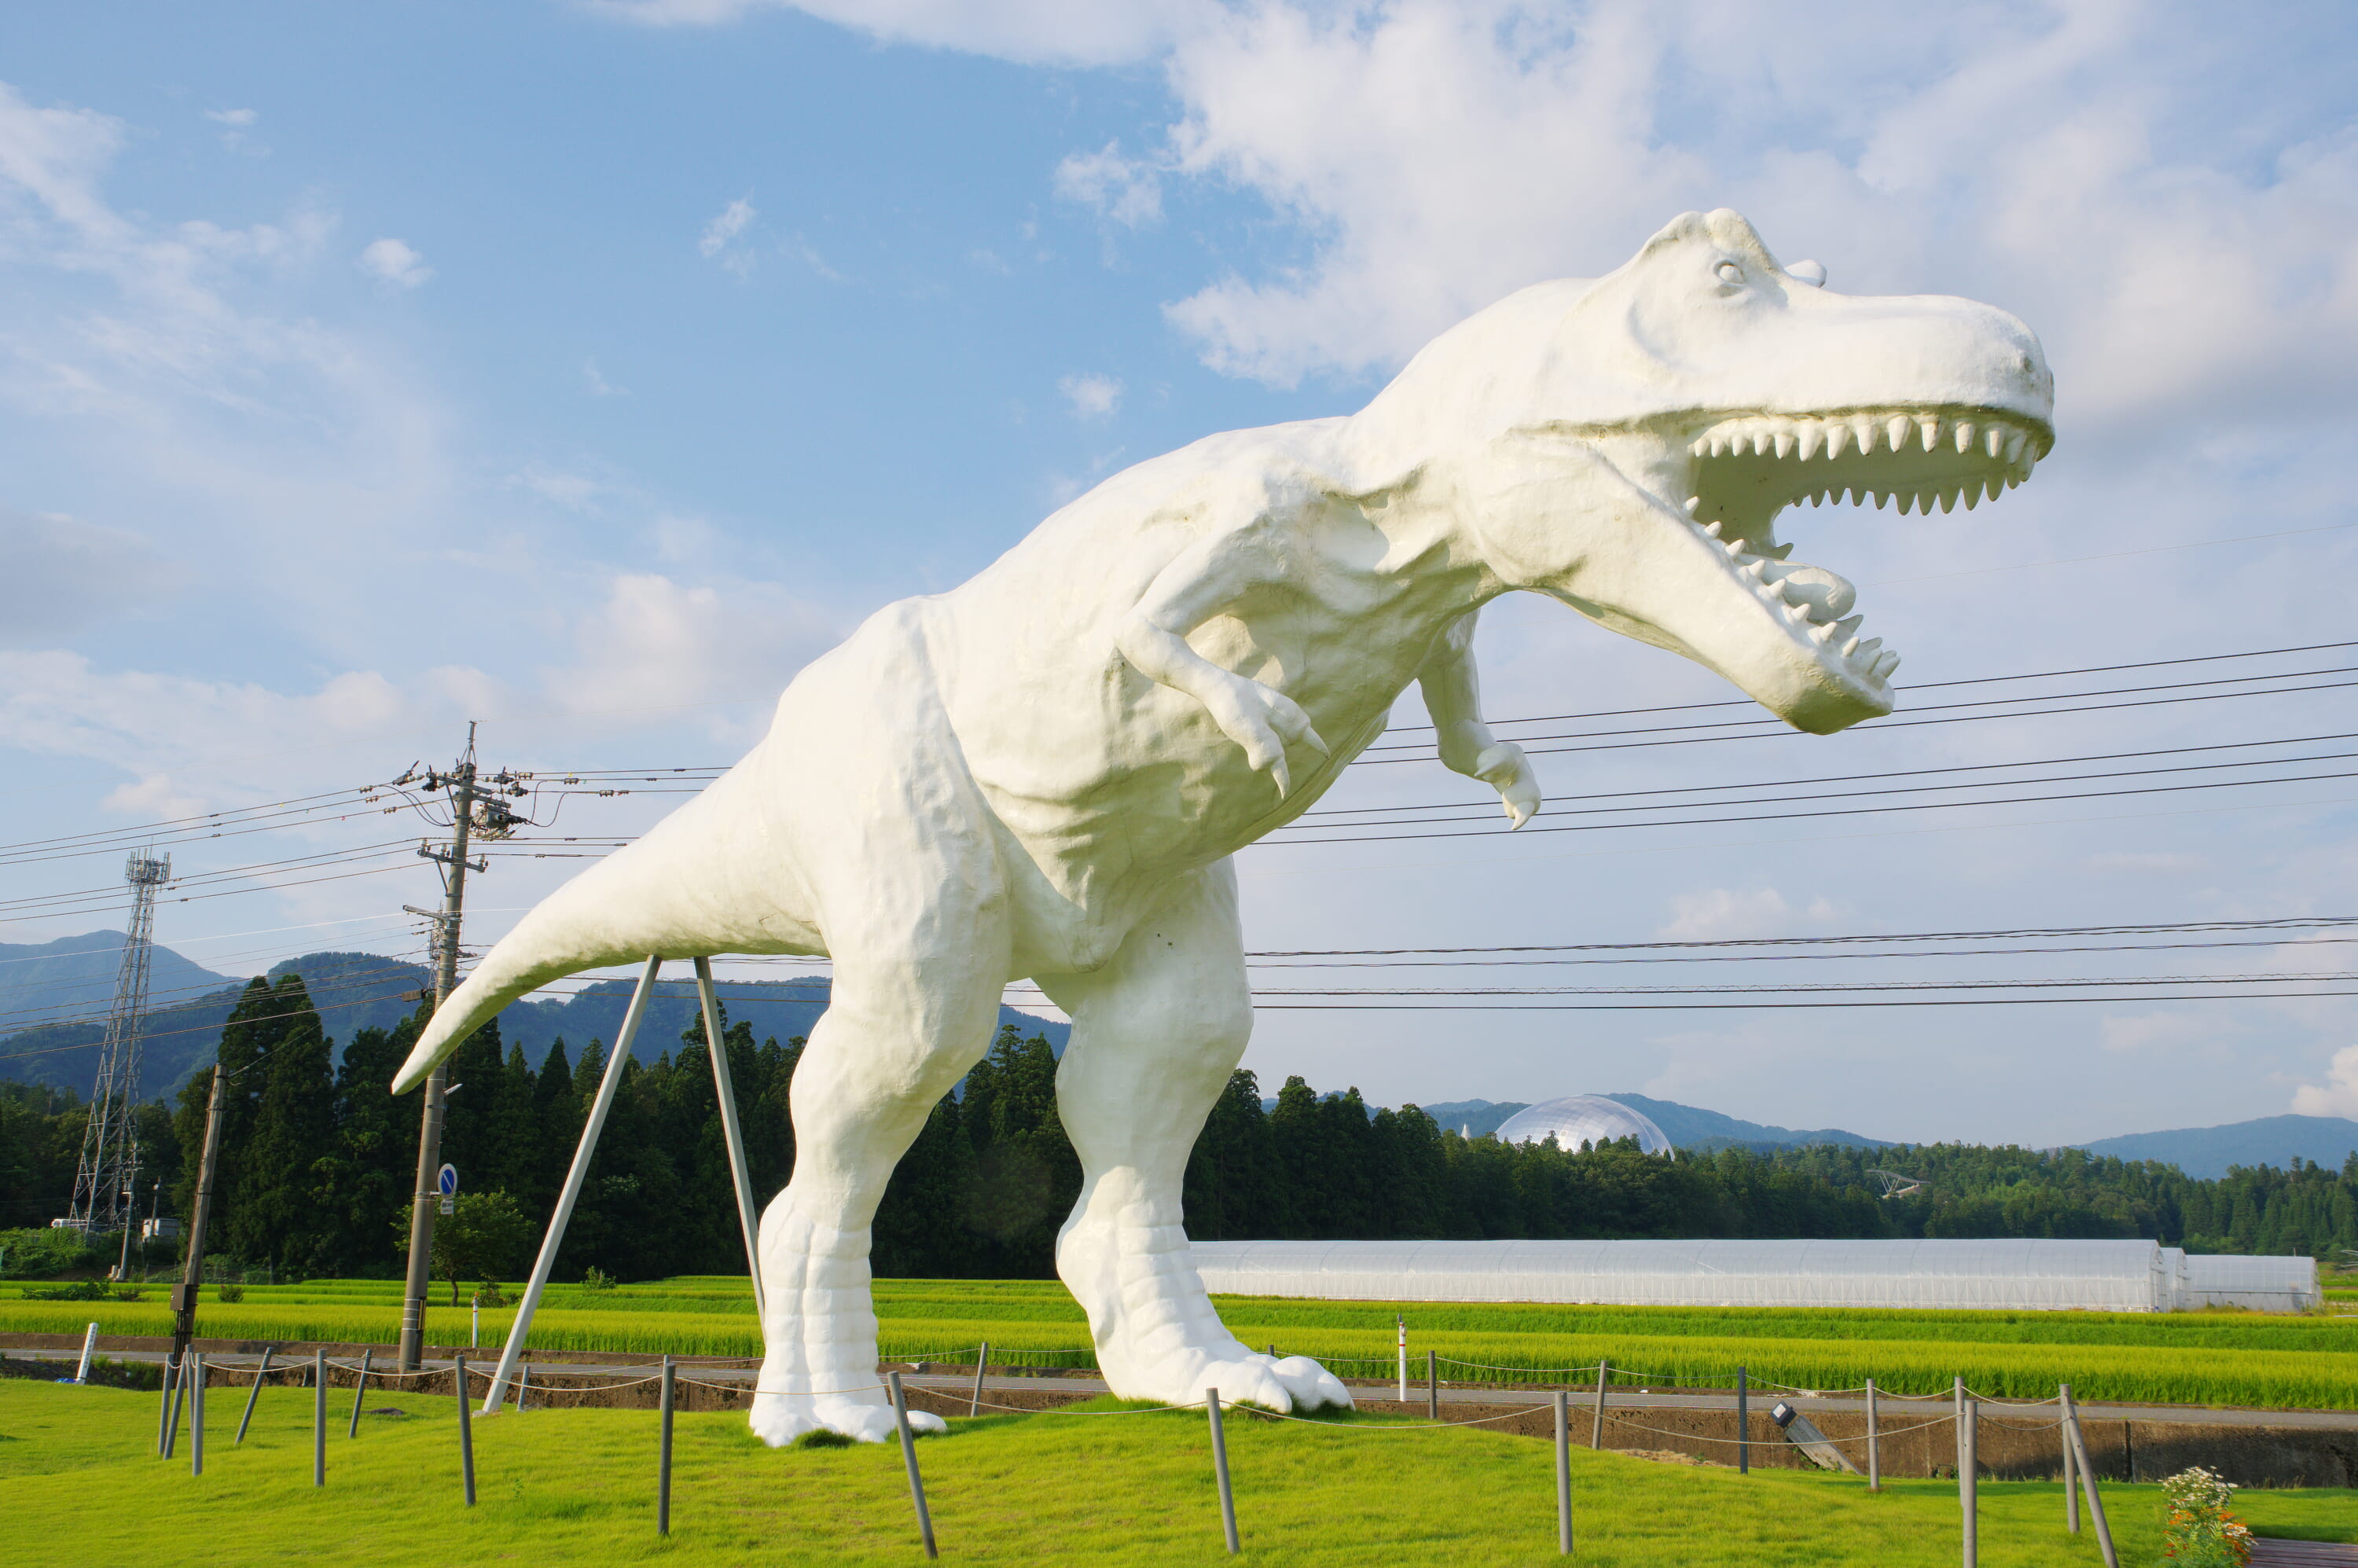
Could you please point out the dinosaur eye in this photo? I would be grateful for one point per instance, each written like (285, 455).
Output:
(1729, 272)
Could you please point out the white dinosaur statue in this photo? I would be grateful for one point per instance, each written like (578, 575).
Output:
(1044, 773)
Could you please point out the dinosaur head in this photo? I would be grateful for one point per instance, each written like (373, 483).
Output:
(1719, 388)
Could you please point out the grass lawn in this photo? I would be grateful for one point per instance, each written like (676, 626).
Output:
(568, 1487)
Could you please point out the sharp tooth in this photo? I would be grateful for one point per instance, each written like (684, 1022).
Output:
(1837, 433)
(1755, 568)
(1895, 431)
(1694, 504)
(1711, 527)
(1880, 497)
(2012, 479)
(1964, 434)
(1974, 494)
(1715, 445)
(1733, 546)
(1862, 430)
(1763, 443)
(1848, 627)
(1930, 424)
(1806, 442)
(1866, 649)
(1780, 553)
(1907, 503)
(1698, 448)
(1823, 634)
(1994, 439)
(1797, 613)
(2014, 441)
(1784, 442)
(1885, 663)
(1948, 500)
(1850, 647)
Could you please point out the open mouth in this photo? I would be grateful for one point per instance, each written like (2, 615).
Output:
(1748, 467)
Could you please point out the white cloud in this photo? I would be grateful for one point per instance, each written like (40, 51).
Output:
(1721, 913)
(596, 382)
(1092, 397)
(656, 643)
(732, 221)
(1127, 191)
(2158, 1032)
(2338, 1096)
(240, 118)
(391, 261)
(1070, 32)
(63, 574)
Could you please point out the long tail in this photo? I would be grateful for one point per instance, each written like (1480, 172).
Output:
(706, 879)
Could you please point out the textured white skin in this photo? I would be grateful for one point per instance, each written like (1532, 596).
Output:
(1044, 772)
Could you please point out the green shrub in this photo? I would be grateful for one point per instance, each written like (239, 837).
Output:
(597, 1278)
(41, 1254)
(231, 1293)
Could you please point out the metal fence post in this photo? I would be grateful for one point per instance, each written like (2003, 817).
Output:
(981, 1360)
(2071, 1478)
(1597, 1424)
(261, 1374)
(1220, 1472)
(1563, 1474)
(909, 1456)
(360, 1386)
(1874, 1444)
(163, 1413)
(1431, 1386)
(466, 1427)
(89, 1344)
(318, 1418)
(663, 1461)
(2088, 1480)
(523, 1386)
(1968, 1478)
(196, 1416)
(1743, 1425)
(179, 1397)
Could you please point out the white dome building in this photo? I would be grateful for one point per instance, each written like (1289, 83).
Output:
(1583, 1118)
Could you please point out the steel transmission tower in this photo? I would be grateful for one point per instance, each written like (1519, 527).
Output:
(110, 1146)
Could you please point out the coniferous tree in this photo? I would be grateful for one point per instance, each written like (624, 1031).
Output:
(278, 1213)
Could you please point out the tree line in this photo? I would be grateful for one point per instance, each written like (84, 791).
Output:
(319, 1160)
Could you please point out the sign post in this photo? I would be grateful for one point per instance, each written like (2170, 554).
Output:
(446, 1181)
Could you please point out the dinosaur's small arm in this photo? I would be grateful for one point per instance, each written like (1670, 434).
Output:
(1205, 580)
(1215, 577)
(1453, 695)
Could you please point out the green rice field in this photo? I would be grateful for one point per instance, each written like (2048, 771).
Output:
(2235, 1358)
(1103, 1487)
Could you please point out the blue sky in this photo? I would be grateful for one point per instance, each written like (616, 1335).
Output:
(585, 369)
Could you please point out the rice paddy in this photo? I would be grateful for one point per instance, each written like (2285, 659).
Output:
(2240, 1359)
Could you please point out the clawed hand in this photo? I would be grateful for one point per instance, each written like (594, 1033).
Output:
(1262, 721)
(1504, 768)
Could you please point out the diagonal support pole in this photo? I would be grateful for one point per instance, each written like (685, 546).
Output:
(572, 1191)
(748, 1220)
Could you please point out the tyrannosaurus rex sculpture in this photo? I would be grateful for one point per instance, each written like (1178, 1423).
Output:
(1044, 773)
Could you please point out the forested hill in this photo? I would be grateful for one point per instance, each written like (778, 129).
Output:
(317, 1162)
(354, 991)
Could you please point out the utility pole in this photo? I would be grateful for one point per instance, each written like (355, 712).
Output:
(184, 1295)
(473, 811)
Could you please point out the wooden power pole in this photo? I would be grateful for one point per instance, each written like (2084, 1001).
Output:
(184, 1295)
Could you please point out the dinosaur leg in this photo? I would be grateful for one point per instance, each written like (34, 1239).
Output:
(897, 1033)
(1155, 1034)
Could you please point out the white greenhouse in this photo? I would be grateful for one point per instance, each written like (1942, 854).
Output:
(2091, 1276)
